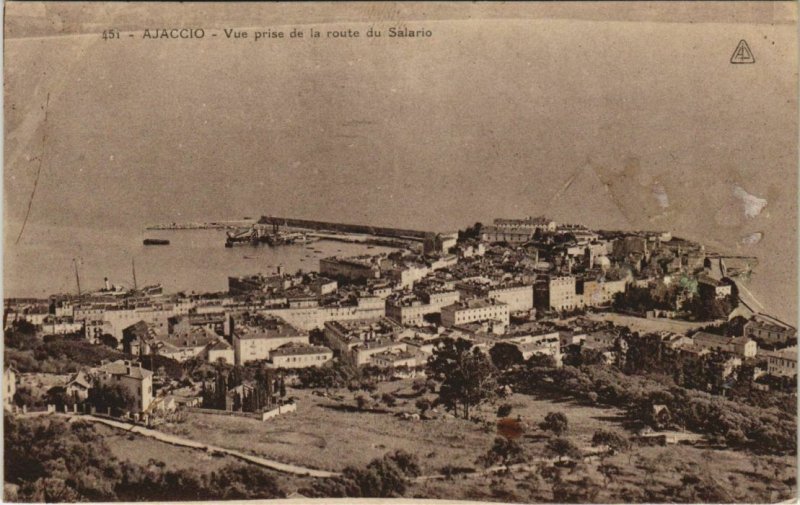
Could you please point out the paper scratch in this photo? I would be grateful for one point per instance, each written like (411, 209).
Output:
(753, 205)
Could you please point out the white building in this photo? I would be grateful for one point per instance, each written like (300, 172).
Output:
(769, 332)
(783, 363)
(411, 310)
(478, 309)
(300, 356)
(220, 350)
(518, 298)
(255, 341)
(562, 293)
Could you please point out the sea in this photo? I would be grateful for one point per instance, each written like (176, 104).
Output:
(45, 259)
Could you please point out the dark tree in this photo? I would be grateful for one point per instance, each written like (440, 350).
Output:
(113, 396)
(57, 395)
(504, 410)
(466, 375)
(505, 355)
(504, 452)
(555, 422)
(563, 448)
(616, 442)
(423, 404)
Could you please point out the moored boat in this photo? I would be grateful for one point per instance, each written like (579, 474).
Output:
(156, 241)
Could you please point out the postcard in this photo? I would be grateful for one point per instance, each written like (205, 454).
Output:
(474, 252)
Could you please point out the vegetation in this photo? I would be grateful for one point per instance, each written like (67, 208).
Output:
(470, 233)
(504, 452)
(771, 430)
(111, 396)
(50, 460)
(262, 392)
(467, 376)
(52, 354)
(556, 422)
(505, 355)
(504, 410)
(641, 300)
(384, 477)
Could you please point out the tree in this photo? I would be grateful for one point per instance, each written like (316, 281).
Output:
(555, 422)
(21, 335)
(163, 366)
(505, 452)
(283, 387)
(382, 478)
(466, 375)
(504, 410)
(388, 399)
(471, 232)
(544, 361)
(113, 396)
(109, 341)
(505, 355)
(563, 448)
(24, 398)
(423, 404)
(361, 402)
(615, 442)
(57, 395)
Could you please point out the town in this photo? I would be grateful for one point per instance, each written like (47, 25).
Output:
(521, 361)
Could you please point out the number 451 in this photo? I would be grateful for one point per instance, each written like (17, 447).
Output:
(110, 34)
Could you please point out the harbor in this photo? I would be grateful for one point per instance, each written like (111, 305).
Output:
(278, 231)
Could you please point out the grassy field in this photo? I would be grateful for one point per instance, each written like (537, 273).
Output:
(140, 450)
(330, 434)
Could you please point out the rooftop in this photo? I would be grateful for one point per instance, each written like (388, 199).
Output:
(300, 349)
(473, 303)
(125, 368)
(261, 326)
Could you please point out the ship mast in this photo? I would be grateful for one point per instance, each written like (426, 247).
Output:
(77, 277)
(133, 267)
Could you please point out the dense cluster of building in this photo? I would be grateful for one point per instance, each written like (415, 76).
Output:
(503, 283)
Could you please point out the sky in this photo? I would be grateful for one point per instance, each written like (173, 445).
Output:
(616, 116)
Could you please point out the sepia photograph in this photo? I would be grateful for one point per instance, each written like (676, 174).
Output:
(523, 252)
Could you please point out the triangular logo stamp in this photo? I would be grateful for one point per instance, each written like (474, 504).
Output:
(743, 54)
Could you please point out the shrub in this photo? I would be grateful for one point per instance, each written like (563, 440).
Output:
(555, 422)
(504, 410)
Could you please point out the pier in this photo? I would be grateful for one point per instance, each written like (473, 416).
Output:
(358, 229)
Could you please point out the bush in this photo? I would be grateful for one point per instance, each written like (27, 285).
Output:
(382, 478)
(362, 402)
(504, 410)
(388, 399)
(423, 404)
(504, 451)
(39, 452)
(555, 422)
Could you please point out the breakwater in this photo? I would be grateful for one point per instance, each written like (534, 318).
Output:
(379, 231)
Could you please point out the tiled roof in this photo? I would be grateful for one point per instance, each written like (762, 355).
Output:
(128, 369)
(295, 349)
